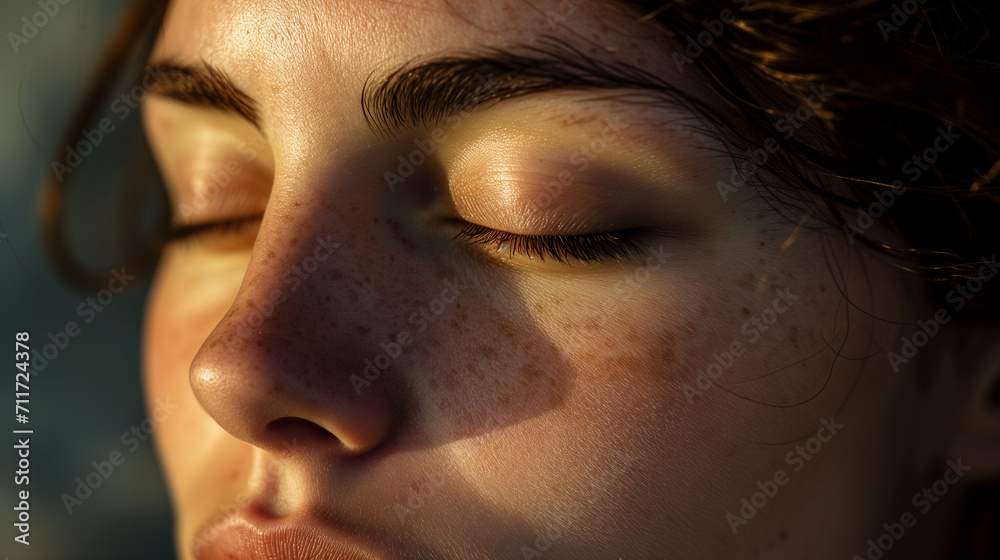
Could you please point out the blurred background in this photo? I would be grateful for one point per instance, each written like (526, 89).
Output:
(85, 391)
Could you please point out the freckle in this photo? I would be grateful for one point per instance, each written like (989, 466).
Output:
(363, 330)
(505, 400)
(476, 373)
(746, 312)
(783, 535)
(270, 254)
(531, 371)
(293, 240)
(667, 355)
(793, 336)
(251, 303)
(630, 364)
(297, 203)
(505, 330)
(489, 352)
(279, 388)
(668, 342)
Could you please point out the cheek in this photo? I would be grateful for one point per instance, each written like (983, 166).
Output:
(677, 379)
(177, 322)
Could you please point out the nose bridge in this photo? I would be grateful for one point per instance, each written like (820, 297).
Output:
(278, 364)
(290, 276)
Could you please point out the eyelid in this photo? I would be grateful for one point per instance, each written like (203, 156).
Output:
(591, 248)
(193, 233)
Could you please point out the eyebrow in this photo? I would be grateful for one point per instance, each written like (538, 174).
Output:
(205, 86)
(424, 94)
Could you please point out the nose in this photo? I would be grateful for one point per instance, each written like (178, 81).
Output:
(277, 369)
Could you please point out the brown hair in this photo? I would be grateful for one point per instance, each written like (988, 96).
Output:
(899, 74)
(896, 81)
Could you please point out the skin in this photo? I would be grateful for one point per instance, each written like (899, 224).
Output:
(543, 392)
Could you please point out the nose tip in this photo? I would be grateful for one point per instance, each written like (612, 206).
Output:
(276, 396)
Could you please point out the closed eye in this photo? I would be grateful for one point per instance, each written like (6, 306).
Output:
(587, 248)
(244, 226)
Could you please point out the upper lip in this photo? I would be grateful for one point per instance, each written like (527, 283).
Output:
(250, 534)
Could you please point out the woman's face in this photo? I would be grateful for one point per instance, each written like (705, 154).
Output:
(349, 365)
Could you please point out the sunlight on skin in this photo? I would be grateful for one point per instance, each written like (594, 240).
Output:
(543, 390)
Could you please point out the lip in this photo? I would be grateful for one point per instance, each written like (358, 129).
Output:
(251, 535)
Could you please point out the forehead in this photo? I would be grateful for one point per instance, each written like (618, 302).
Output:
(278, 46)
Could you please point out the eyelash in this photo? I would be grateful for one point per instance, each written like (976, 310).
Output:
(589, 248)
(199, 233)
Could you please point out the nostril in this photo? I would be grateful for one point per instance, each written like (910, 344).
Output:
(290, 433)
